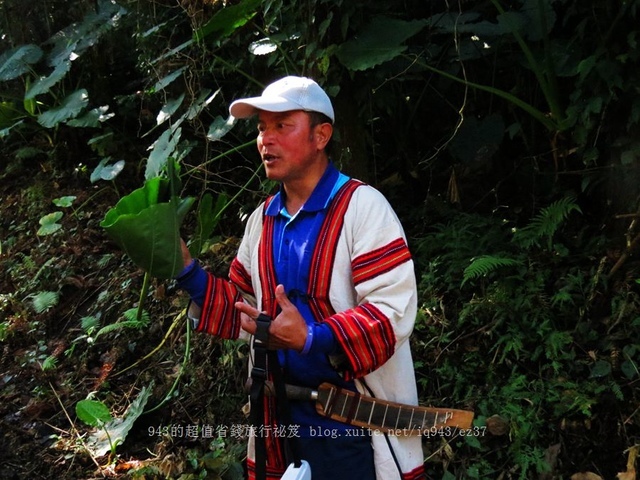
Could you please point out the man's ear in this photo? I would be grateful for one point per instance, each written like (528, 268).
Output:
(323, 134)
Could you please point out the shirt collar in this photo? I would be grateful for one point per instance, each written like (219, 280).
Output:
(319, 199)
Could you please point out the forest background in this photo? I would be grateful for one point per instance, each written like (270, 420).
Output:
(506, 134)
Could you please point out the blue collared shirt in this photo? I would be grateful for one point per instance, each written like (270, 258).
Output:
(294, 239)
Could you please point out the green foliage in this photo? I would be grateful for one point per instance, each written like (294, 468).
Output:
(44, 301)
(111, 431)
(482, 266)
(382, 40)
(50, 363)
(514, 341)
(93, 412)
(146, 227)
(208, 218)
(131, 321)
(49, 223)
(546, 223)
(227, 20)
(478, 116)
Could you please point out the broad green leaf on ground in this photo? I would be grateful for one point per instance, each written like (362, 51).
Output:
(65, 201)
(49, 223)
(93, 412)
(380, 41)
(147, 230)
(17, 61)
(70, 108)
(115, 431)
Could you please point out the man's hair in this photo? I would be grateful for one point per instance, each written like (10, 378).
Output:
(317, 118)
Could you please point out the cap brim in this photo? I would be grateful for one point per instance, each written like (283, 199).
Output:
(247, 107)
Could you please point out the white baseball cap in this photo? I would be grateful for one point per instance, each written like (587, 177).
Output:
(288, 93)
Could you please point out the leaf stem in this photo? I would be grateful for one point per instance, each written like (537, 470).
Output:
(143, 295)
(185, 360)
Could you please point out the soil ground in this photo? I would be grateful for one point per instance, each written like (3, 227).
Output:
(49, 361)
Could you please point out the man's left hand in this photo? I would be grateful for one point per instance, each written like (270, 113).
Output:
(287, 330)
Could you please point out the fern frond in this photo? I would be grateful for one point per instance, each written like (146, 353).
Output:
(89, 324)
(484, 265)
(49, 363)
(546, 223)
(130, 322)
(44, 301)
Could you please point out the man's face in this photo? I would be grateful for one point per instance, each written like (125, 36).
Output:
(289, 147)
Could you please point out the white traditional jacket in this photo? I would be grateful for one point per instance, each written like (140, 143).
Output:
(362, 284)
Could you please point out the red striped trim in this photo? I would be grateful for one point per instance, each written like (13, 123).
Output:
(219, 316)
(415, 474)
(266, 265)
(273, 441)
(324, 253)
(240, 277)
(366, 337)
(379, 261)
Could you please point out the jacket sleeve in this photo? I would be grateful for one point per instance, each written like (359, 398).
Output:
(383, 284)
(218, 315)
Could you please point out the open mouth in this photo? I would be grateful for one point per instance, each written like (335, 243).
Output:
(268, 157)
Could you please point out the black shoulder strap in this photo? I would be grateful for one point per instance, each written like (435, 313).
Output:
(263, 358)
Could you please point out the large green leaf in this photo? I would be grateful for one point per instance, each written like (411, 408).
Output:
(208, 218)
(380, 41)
(44, 84)
(169, 109)
(220, 127)
(228, 19)
(16, 61)
(70, 108)
(115, 431)
(106, 170)
(149, 231)
(168, 80)
(93, 118)
(161, 150)
(74, 40)
(93, 412)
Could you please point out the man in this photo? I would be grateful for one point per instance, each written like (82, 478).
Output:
(327, 259)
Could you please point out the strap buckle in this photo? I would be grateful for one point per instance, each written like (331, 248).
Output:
(262, 330)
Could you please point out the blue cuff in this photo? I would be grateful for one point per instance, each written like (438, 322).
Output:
(309, 341)
(194, 280)
(320, 339)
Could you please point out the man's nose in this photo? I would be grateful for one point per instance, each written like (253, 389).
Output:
(265, 137)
